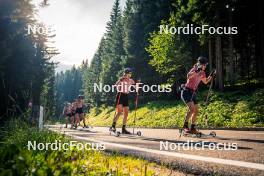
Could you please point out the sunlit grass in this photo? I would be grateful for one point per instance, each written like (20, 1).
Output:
(16, 159)
(228, 109)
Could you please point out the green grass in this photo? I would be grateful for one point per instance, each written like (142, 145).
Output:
(16, 159)
(225, 109)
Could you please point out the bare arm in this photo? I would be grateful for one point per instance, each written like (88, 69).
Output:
(120, 80)
(207, 80)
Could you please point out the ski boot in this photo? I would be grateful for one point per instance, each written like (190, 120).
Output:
(195, 132)
(85, 126)
(124, 131)
(112, 129)
(185, 128)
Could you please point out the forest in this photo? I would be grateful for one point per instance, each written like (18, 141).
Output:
(230, 114)
(132, 39)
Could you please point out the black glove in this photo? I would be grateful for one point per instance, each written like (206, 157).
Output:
(213, 73)
(181, 87)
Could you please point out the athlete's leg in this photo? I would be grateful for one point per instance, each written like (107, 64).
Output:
(124, 131)
(66, 120)
(72, 120)
(118, 113)
(187, 98)
(189, 113)
(82, 117)
(126, 110)
(194, 117)
(77, 119)
(195, 113)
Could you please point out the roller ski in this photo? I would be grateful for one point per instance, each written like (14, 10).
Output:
(190, 133)
(138, 133)
(113, 131)
(74, 127)
(125, 132)
(194, 133)
(87, 126)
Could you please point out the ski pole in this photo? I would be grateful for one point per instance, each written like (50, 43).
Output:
(209, 91)
(208, 94)
(136, 104)
(206, 102)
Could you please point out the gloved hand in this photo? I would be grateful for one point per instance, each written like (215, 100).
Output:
(213, 73)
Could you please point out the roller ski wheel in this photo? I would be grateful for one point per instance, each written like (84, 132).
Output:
(198, 135)
(195, 134)
(139, 133)
(117, 134)
(187, 134)
(212, 133)
(112, 130)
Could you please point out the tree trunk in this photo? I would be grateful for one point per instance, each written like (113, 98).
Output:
(219, 58)
(231, 75)
(36, 89)
(261, 37)
(210, 49)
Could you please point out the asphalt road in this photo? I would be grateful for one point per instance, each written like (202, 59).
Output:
(229, 153)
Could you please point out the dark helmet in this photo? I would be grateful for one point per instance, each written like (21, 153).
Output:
(202, 60)
(128, 70)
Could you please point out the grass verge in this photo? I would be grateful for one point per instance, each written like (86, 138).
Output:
(225, 109)
(16, 159)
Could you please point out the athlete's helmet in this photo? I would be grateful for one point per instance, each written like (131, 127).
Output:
(202, 60)
(128, 70)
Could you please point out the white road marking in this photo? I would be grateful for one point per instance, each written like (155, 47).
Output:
(175, 154)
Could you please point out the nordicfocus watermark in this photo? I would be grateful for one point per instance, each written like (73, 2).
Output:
(201, 145)
(204, 29)
(58, 145)
(131, 88)
(51, 29)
